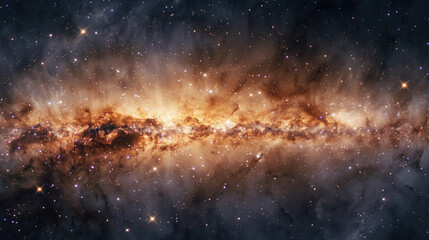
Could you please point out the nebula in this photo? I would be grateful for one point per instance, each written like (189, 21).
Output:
(214, 120)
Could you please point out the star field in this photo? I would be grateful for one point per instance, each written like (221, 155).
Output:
(214, 119)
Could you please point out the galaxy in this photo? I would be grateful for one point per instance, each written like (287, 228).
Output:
(207, 119)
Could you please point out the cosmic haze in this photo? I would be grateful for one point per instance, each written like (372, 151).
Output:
(214, 119)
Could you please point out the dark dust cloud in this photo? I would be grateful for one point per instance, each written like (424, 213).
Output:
(214, 119)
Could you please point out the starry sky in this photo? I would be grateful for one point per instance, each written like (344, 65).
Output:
(221, 119)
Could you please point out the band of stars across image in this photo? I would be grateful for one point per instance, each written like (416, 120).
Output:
(214, 119)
